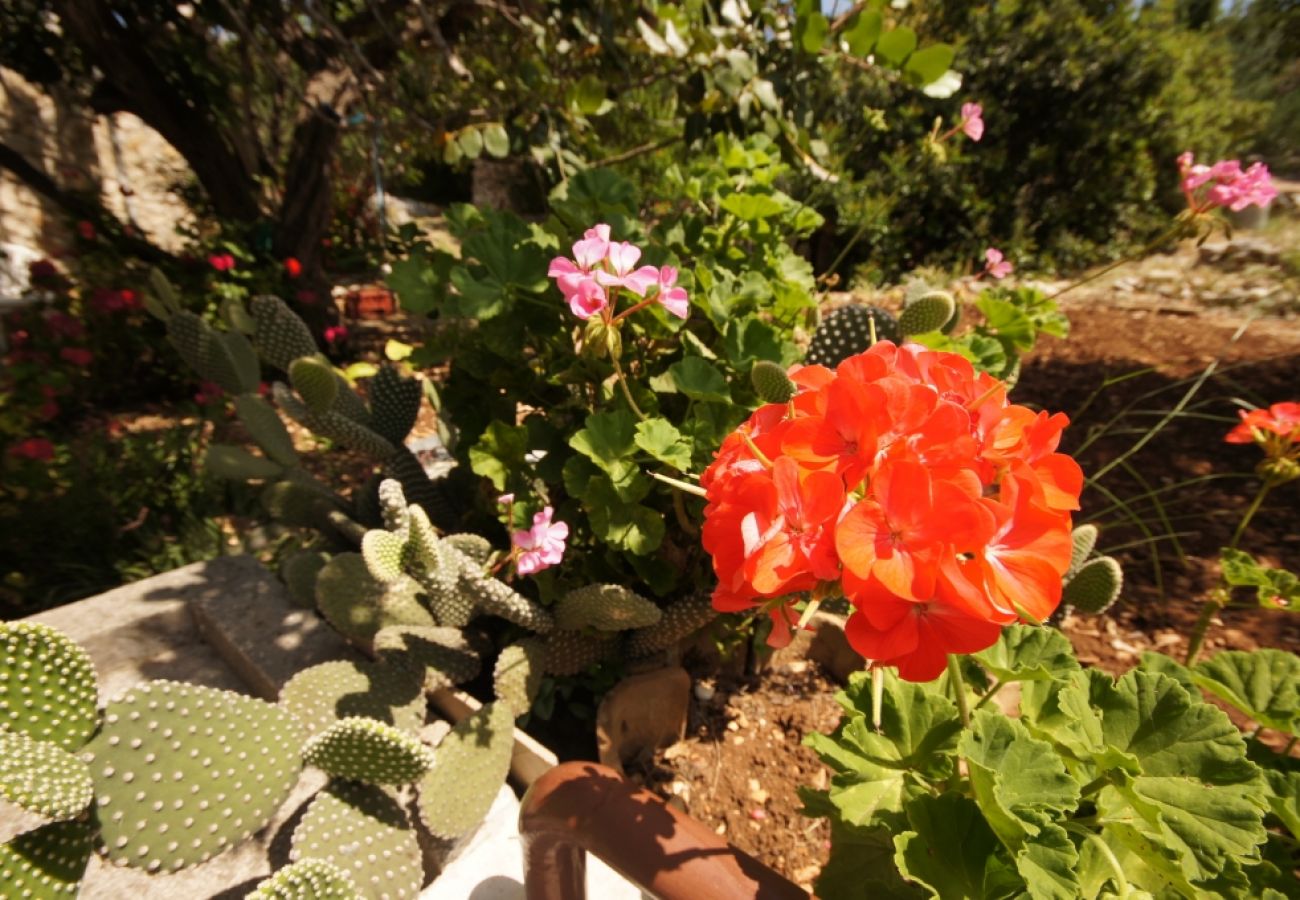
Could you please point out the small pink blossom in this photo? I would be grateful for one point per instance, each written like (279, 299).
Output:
(995, 265)
(588, 299)
(1228, 185)
(972, 120)
(336, 333)
(506, 499)
(542, 545)
(672, 298)
(622, 258)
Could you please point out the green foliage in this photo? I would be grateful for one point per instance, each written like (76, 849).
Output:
(1100, 785)
(469, 768)
(307, 879)
(365, 750)
(1012, 319)
(1274, 588)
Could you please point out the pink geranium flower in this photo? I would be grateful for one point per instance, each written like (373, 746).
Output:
(995, 264)
(576, 277)
(672, 298)
(972, 120)
(622, 259)
(336, 333)
(1224, 184)
(542, 545)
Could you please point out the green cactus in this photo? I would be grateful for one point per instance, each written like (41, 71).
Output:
(47, 863)
(929, 312)
(305, 505)
(314, 380)
(281, 335)
(184, 772)
(518, 674)
(265, 426)
(237, 464)
(392, 503)
(394, 403)
(368, 751)
(348, 403)
(1083, 541)
(225, 358)
(477, 549)
(605, 607)
(573, 652)
(166, 303)
(333, 425)
(680, 619)
(235, 314)
(469, 768)
(48, 689)
(307, 879)
(385, 554)
(358, 605)
(439, 657)
(771, 382)
(362, 831)
(1094, 587)
(420, 490)
(496, 598)
(43, 778)
(847, 332)
(298, 572)
(326, 693)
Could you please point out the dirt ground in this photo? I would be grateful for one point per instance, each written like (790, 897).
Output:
(743, 760)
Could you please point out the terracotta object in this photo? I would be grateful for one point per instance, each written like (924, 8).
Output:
(370, 302)
(581, 807)
(642, 713)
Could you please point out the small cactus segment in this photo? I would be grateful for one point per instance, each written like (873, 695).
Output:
(928, 312)
(298, 572)
(605, 607)
(469, 767)
(1084, 541)
(572, 652)
(295, 503)
(475, 548)
(518, 674)
(1095, 586)
(237, 464)
(348, 403)
(680, 619)
(362, 831)
(439, 657)
(368, 751)
(847, 332)
(47, 863)
(307, 879)
(184, 772)
(324, 694)
(266, 428)
(771, 382)
(358, 605)
(43, 778)
(245, 372)
(419, 489)
(313, 379)
(496, 598)
(394, 403)
(48, 689)
(392, 502)
(281, 336)
(384, 553)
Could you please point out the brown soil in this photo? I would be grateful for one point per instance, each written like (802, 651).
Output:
(743, 760)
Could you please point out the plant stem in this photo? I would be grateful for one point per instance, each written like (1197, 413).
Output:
(1286, 751)
(877, 695)
(627, 392)
(1208, 611)
(1093, 786)
(991, 694)
(683, 521)
(959, 688)
(680, 485)
(1250, 513)
(1179, 227)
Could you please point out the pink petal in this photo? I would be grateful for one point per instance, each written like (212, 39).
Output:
(675, 301)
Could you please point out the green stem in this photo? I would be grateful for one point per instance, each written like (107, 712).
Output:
(959, 688)
(1178, 229)
(627, 392)
(680, 485)
(877, 696)
(1250, 512)
(992, 692)
(1208, 611)
(1093, 786)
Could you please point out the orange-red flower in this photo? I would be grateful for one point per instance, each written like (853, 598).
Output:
(1281, 419)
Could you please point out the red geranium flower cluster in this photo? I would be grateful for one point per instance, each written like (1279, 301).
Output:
(904, 480)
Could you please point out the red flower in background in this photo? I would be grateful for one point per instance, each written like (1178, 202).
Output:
(222, 262)
(36, 449)
(78, 356)
(906, 481)
(292, 267)
(86, 229)
(1281, 419)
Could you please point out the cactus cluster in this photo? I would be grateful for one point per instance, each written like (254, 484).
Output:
(852, 329)
(368, 751)
(307, 879)
(1093, 581)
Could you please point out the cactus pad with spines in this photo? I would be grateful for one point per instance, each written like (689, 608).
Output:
(362, 831)
(307, 879)
(185, 333)
(476, 548)
(419, 489)
(394, 403)
(1095, 586)
(236, 316)
(928, 312)
(265, 426)
(295, 503)
(231, 360)
(43, 778)
(518, 674)
(357, 605)
(496, 598)
(281, 336)
(847, 332)
(237, 464)
(681, 618)
(323, 694)
(184, 772)
(368, 751)
(48, 689)
(771, 382)
(1083, 541)
(572, 652)
(605, 607)
(384, 553)
(47, 863)
(313, 378)
(439, 657)
(469, 767)
(392, 503)
(298, 572)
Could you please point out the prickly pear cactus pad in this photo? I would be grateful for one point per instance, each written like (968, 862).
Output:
(183, 772)
(605, 607)
(771, 382)
(681, 618)
(280, 335)
(573, 652)
(1095, 586)
(368, 751)
(361, 830)
(42, 778)
(46, 863)
(439, 657)
(928, 312)
(307, 879)
(475, 548)
(847, 331)
(358, 606)
(266, 427)
(322, 695)
(469, 767)
(518, 674)
(48, 689)
(1082, 542)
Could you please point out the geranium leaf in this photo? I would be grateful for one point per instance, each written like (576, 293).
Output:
(699, 380)
(499, 452)
(1048, 862)
(609, 440)
(661, 439)
(862, 865)
(952, 851)
(1165, 665)
(1028, 653)
(1264, 684)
